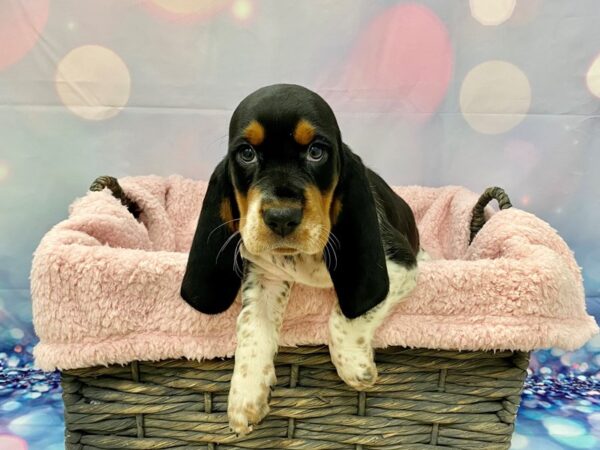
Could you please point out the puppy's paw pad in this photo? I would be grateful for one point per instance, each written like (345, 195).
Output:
(355, 367)
(248, 405)
(358, 378)
(238, 424)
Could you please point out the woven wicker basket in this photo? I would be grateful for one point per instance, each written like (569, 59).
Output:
(423, 399)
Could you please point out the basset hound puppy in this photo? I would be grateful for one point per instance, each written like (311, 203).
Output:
(291, 203)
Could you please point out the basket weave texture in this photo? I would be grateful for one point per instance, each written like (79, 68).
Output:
(423, 399)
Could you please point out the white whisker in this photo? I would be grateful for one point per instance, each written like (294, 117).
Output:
(334, 254)
(225, 245)
(335, 239)
(326, 256)
(216, 228)
(236, 267)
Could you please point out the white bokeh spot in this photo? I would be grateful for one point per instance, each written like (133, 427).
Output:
(188, 6)
(495, 97)
(592, 78)
(242, 9)
(93, 82)
(492, 12)
(3, 172)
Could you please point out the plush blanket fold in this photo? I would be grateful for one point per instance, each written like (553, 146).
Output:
(105, 287)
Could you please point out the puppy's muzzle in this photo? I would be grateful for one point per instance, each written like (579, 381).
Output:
(282, 221)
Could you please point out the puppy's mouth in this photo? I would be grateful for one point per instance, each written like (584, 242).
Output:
(285, 250)
(274, 246)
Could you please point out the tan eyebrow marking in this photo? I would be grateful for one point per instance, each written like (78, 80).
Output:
(254, 132)
(304, 132)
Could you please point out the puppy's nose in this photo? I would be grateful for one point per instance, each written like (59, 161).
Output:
(282, 220)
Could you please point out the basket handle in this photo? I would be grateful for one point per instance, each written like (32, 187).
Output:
(478, 219)
(111, 183)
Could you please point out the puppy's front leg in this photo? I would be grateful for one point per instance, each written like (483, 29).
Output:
(258, 325)
(350, 341)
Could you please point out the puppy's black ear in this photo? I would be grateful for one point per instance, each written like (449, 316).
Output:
(210, 283)
(360, 277)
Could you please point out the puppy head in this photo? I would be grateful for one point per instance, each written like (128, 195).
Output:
(287, 184)
(284, 164)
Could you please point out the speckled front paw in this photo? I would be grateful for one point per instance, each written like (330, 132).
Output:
(355, 366)
(249, 399)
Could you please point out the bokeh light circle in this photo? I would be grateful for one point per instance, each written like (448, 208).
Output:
(242, 9)
(492, 12)
(495, 97)
(186, 10)
(592, 77)
(563, 427)
(21, 24)
(93, 82)
(401, 61)
(10, 406)
(519, 442)
(188, 6)
(17, 333)
(10, 442)
(36, 423)
(3, 171)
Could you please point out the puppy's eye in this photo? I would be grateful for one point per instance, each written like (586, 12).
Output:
(247, 155)
(315, 153)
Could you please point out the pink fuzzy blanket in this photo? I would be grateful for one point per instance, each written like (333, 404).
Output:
(105, 287)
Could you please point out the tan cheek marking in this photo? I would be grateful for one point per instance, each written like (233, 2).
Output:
(242, 201)
(318, 209)
(336, 208)
(313, 209)
(327, 198)
(254, 133)
(317, 205)
(251, 223)
(226, 214)
(304, 132)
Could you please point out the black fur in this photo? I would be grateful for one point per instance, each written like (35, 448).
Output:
(210, 284)
(373, 223)
(398, 227)
(360, 278)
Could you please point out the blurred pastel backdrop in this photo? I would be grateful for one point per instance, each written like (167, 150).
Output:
(431, 92)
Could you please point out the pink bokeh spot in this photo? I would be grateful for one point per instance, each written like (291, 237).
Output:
(402, 61)
(10, 442)
(21, 24)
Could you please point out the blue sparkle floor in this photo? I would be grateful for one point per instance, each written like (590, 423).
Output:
(557, 413)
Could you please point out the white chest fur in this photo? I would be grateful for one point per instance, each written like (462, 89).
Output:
(305, 269)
